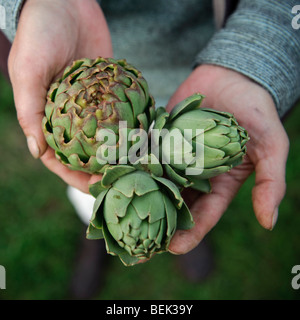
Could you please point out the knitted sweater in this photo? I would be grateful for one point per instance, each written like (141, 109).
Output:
(165, 39)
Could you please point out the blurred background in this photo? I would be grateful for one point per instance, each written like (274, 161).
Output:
(40, 234)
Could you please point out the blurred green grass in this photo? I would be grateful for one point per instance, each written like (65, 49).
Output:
(40, 233)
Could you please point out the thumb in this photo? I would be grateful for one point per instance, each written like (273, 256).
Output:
(270, 186)
(30, 99)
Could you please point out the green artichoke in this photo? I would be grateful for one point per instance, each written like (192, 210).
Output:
(93, 95)
(137, 210)
(222, 141)
(136, 213)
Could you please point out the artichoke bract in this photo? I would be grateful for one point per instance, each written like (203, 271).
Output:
(93, 95)
(221, 139)
(136, 213)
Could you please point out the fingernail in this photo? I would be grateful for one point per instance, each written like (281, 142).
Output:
(172, 252)
(274, 218)
(33, 147)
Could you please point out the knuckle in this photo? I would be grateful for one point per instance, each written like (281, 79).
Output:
(22, 119)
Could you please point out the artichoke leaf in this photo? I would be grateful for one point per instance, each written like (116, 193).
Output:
(143, 120)
(149, 205)
(217, 137)
(70, 69)
(131, 222)
(185, 219)
(150, 164)
(159, 111)
(115, 205)
(155, 233)
(112, 173)
(212, 172)
(96, 188)
(135, 95)
(159, 239)
(113, 248)
(190, 103)
(161, 119)
(171, 214)
(171, 188)
(199, 183)
(221, 116)
(93, 233)
(232, 149)
(154, 166)
(213, 157)
(96, 218)
(138, 182)
(124, 112)
(237, 159)
(176, 177)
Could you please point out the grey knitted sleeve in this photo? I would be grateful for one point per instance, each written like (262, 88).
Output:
(260, 42)
(9, 16)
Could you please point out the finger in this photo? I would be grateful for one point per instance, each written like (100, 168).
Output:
(76, 179)
(30, 98)
(270, 185)
(95, 178)
(209, 208)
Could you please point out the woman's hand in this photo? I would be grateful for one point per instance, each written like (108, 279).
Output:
(253, 106)
(51, 34)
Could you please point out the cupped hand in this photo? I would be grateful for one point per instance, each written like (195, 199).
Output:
(51, 34)
(267, 150)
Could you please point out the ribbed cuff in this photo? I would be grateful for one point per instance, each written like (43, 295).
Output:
(12, 10)
(259, 42)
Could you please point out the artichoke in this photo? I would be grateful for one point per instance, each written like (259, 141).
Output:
(93, 95)
(222, 141)
(136, 212)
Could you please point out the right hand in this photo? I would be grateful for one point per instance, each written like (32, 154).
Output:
(267, 151)
(50, 35)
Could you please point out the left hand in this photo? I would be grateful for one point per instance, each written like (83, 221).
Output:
(51, 35)
(267, 151)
